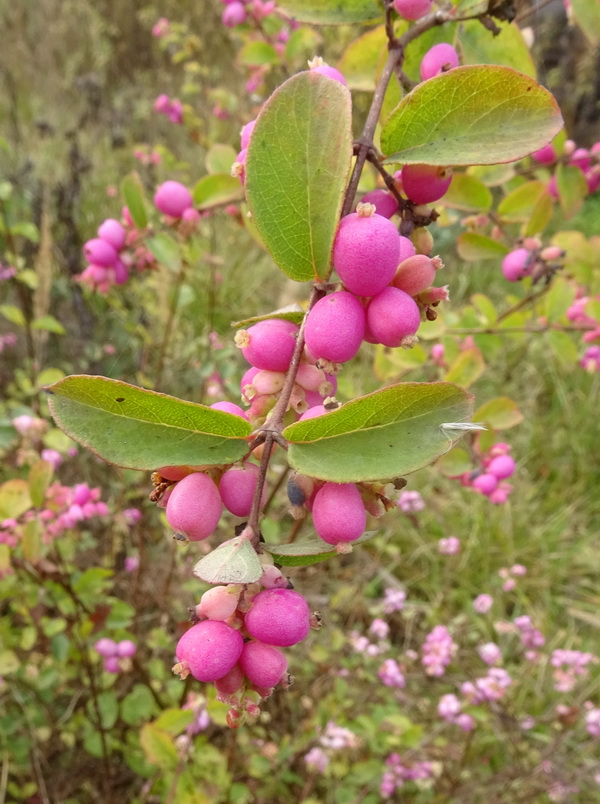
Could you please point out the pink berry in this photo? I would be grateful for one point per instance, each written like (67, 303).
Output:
(581, 159)
(194, 507)
(237, 488)
(385, 203)
(263, 665)
(499, 496)
(485, 483)
(218, 603)
(414, 274)
(229, 407)
(246, 133)
(335, 327)
(269, 382)
(99, 252)
(413, 9)
(366, 252)
(273, 578)
(312, 413)
(270, 344)
(424, 184)
(210, 649)
(247, 381)
(121, 272)
(517, 264)
(173, 198)
(338, 513)
(310, 377)
(545, 155)
(407, 248)
(234, 14)
(106, 647)
(231, 681)
(113, 232)
(278, 617)
(111, 665)
(502, 467)
(126, 649)
(438, 59)
(330, 72)
(392, 316)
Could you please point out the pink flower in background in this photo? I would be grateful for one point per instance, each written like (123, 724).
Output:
(394, 600)
(483, 603)
(410, 502)
(391, 675)
(449, 546)
(437, 651)
(132, 563)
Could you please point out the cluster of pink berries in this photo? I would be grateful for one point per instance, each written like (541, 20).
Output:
(64, 508)
(450, 710)
(161, 28)
(237, 645)
(489, 688)
(578, 314)
(115, 654)
(530, 259)
(585, 160)
(570, 665)
(237, 12)
(106, 266)
(147, 155)
(170, 107)
(399, 772)
(437, 651)
(335, 738)
(490, 479)
(509, 576)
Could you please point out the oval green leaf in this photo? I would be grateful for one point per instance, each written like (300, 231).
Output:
(332, 12)
(473, 247)
(216, 189)
(467, 193)
(220, 158)
(296, 171)
(234, 561)
(508, 48)
(478, 115)
(133, 193)
(572, 189)
(467, 368)
(139, 429)
(362, 58)
(389, 433)
(310, 551)
(519, 203)
(500, 413)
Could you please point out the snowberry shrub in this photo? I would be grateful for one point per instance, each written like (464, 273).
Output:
(425, 184)
(439, 58)
(392, 316)
(269, 344)
(263, 665)
(173, 198)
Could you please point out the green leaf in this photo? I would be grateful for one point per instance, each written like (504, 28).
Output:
(287, 315)
(27, 230)
(12, 314)
(455, 463)
(234, 561)
(140, 429)
(165, 250)
(219, 188)
(386, 434)
(500, 413)
(541, 215)
(220, 158)
(257, 53)
(302, 42)
(474, 247)
(40, 476)
(49, 324)
(572, 189)
(563, 347)
(467, 368)
(587, 16)
(174, 721)
(298, 162)
(559, 298)
(133, 193)
(14, 498)
(138, 705)
(508, 48)
(31, 540)
(310, 551)
(492, 175)
(332, 12)
(360, 61)
(158, 747)
(467, 193)
(520, 203)
(476, 115)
